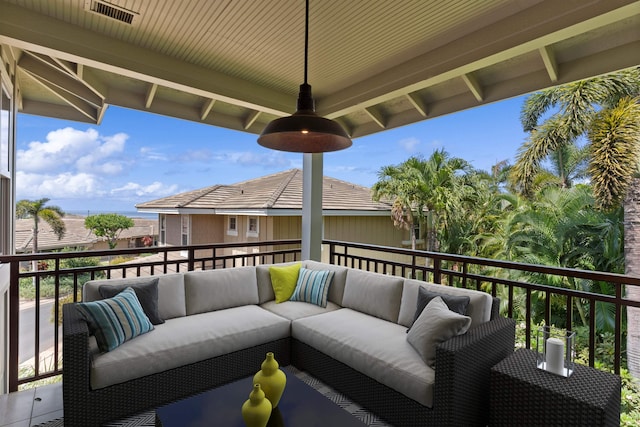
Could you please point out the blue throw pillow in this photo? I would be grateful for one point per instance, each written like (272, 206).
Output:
(115, 320)
(312, 286)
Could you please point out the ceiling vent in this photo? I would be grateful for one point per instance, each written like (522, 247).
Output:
(110, 11)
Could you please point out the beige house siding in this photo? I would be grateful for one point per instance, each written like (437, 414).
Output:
(376, 230)
(207, 229)
(286, 227)
(214, 229)
(173, 233)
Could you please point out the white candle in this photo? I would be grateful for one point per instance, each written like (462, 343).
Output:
(555, 356)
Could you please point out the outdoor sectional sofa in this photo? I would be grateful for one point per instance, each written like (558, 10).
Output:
(219, 324)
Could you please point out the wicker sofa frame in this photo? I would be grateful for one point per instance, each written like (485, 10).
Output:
(84, 407)
(461, 394)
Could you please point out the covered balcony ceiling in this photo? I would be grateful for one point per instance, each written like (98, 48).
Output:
(373, 65)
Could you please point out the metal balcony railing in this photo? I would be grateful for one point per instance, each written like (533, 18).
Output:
(528, 292)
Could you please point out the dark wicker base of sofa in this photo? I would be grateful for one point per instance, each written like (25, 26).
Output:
(84, 408)
(461, 394)
(393, 407)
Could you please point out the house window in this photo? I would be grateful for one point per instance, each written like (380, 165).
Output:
(416, 230)
(252, 227)
(185, 230)
(163, 229)
(232, 226)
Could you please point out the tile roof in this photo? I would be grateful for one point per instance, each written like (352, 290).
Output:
(282, 190)
(76, 234)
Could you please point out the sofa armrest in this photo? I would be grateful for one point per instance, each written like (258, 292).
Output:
(75, 355)
(463, 366)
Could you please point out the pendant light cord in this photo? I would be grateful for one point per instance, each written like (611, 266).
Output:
(306, 40)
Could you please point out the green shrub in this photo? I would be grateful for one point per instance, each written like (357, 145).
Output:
(121, 260)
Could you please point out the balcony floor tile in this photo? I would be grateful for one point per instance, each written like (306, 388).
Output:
(31, 407)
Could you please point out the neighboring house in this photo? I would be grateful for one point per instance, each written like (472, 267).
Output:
(270, 208)
(77, 235)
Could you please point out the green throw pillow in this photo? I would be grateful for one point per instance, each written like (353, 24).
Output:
(284, 280)
(115, 320)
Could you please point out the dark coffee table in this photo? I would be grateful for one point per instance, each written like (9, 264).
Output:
(300, 406)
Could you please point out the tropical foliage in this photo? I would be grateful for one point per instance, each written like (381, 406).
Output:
(603, 109)
(424, 192)
(108, 225)
(38, 209)
(559, 205)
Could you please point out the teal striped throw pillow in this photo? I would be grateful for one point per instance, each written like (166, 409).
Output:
(115, 320)
(312, 286)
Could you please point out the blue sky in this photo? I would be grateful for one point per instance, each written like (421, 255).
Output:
(133, 156)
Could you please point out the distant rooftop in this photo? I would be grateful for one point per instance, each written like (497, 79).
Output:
(76, 234)
(276, 194)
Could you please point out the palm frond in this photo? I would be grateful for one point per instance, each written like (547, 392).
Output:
(615, 150)
(54, 219)
(549, 137)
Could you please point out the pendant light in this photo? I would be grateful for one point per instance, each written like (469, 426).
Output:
(304, 131)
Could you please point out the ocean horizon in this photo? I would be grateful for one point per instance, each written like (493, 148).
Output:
(130, 214)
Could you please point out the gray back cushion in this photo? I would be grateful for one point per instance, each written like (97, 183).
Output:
(336, 290)
(373, 293)
(213, 290)
(171, 298)
(479, 308)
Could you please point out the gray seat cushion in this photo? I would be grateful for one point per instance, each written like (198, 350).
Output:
(296, 310)
(186, 340)
(372, 346)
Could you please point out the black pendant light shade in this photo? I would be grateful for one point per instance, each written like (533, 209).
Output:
(304, 131)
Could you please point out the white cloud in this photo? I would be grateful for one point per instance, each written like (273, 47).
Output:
(75, 151)
(32, 186)
(410, 145)
(150, 153)
(154, 190)
(202, 155)
(249, 158)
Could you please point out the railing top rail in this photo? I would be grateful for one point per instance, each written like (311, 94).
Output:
(134, 251)
(536, 268)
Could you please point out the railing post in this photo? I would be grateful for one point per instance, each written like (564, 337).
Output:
(618, 332)
(191, 259)
(437, 272)
(413, 267)
(14, 324)
(332, 253)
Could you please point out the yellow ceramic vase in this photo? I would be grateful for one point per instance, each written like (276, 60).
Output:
(272, 379)
(257, 409)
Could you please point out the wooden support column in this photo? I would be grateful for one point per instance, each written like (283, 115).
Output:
(312, 164)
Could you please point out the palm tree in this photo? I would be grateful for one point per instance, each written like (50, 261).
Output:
(423, 191)
(604, 109)
(396, 184)
(632, 267)
(38, 209)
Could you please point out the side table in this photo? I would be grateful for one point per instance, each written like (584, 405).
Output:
(523, 395)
